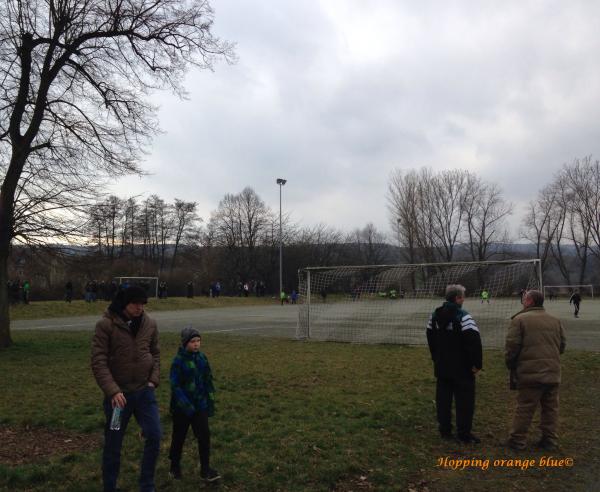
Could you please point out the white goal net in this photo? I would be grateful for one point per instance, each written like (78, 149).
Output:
(149, 284)
(552, 292)
(392, 303)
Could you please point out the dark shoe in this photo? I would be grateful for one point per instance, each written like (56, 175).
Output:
(447, 436)
(546, 444)
(469, 439)
(175, 472)
(210, 475)
(515, 446)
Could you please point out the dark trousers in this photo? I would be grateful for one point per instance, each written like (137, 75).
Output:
(142, 405)
(462, 389)
(181, 424)
(576, 304)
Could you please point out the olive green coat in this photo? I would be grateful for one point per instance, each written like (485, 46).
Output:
(534, 343)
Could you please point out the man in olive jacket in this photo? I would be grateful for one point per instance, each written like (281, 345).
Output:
(125, 363)
(534, 343)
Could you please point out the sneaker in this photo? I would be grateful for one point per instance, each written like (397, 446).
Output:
(469, 439)
(175, 472)
(210, 475)
(546, 444)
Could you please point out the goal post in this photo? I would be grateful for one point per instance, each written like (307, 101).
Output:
(149, 284)
(392, 303)
(567, 290)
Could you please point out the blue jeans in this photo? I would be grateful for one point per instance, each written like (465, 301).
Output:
(141, 404)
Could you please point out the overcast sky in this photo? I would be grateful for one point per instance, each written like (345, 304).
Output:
(333, 95)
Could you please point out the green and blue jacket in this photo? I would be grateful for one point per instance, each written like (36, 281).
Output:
(192, 388)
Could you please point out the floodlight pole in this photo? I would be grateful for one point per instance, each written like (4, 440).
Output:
(280, 182)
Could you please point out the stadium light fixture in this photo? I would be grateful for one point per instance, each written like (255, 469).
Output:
(281, 182)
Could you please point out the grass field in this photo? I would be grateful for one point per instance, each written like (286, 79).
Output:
(403, 320)
(60, 309)
(295, 416)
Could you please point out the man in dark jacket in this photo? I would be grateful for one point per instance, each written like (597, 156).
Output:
(534, 343)
(455, 346)
(125, 363)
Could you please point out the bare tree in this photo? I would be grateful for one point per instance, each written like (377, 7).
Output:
(75, 80)
(485, 211)
(239, 224)
(186, 219)
(321, 245)
(370, 245)
(581, 180)
(403, 191)
(540, 224)
(105, 225)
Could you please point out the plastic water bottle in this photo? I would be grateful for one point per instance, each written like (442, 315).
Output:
(115, 421)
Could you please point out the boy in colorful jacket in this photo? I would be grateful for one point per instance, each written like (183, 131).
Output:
(192, 402)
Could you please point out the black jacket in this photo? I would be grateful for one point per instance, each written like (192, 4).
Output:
(454, 342)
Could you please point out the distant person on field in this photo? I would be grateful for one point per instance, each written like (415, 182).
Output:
(534, 343)
(282, 297)
(190, 290)
(26, 291)
(125, 363)
(575, 300)
(69, 291)
(455, 347)
(485, 296)
(294, 297)
(192, 402)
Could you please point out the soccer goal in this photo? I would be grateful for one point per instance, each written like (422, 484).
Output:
(149, 284)
(554, 291)
(392, 303)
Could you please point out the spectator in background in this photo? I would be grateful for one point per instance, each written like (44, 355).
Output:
(190, 290)
(26, 291)
(69, 291)
(94, 290)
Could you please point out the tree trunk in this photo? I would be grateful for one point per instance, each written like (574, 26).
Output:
(5, 338)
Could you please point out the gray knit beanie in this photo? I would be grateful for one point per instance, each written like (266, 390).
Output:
(187, 334)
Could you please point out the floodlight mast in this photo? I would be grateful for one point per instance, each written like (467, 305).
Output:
(281, 182)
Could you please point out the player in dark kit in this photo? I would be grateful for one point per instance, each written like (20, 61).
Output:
(575, 300)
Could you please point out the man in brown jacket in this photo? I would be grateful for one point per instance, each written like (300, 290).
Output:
(125, 363)
(534, 343)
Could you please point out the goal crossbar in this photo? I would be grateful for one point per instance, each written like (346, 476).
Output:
(137, 279)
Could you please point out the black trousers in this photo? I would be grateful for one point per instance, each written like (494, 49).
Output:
(462, 389)
(576, 304)
(181, 424)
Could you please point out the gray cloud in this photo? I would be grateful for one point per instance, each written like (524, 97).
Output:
(333, 95)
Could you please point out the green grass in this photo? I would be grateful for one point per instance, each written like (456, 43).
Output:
(295, 416)
(60, 309)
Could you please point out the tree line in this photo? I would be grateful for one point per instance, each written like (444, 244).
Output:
(445, 216)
